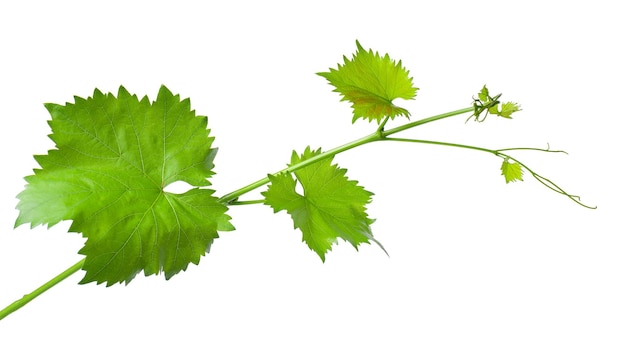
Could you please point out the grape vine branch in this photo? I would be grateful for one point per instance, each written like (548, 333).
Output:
(115, 155)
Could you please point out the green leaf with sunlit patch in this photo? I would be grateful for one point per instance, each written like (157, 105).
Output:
(114, 156)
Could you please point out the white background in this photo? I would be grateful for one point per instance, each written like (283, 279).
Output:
(475, 265)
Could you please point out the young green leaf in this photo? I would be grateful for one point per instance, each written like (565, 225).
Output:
(330, 207)
(508, 108)
(512, 171)
(483, 95)
(113, 159)
(491, 105)
(371, 83)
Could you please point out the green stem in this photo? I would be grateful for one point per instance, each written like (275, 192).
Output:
(531, 149)
(440, 143)
(379, 135)
(51, 283)
(381, 127)
(543, 180)
(247, 202)
(427, 120)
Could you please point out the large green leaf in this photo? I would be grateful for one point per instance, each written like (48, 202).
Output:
(114, 156)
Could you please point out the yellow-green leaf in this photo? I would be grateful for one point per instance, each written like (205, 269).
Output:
(512, 171)
(371, 82)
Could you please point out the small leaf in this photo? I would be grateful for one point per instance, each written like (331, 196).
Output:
(483, 95)
(114, 156)
(494, 110)
(371, 82)
(507, 109)
(330, 207)
(512, 171)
